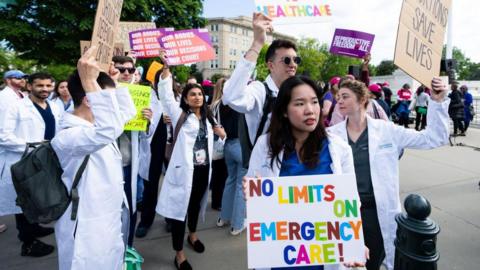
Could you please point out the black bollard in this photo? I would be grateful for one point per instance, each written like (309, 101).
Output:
(416, 242)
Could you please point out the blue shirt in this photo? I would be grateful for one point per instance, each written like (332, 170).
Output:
(49, 120)
(291, 166)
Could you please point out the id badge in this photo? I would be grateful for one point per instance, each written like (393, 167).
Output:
(200, 156)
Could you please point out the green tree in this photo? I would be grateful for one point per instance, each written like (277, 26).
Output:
(335, 65)
(261, 69)
(181, 73)
(466, 69)
(386, 67)
(49, 31)
(310, 50)
(215, 77)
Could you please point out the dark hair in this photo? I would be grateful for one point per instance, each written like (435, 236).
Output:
(280, 130)
(119, 59)
(76, 89)
(204, 110)
(420, 90)
(277, 44)
(40, 76)
(177, 89)
(57, 85)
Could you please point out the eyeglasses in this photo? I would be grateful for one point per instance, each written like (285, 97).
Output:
(287, 60)
(122, 70)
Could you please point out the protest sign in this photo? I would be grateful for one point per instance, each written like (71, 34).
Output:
(144, 43)
(106, 22)
(304, 220)
(152, 70)
(295, 12)
(141, 98)
(126, 27)
(117, 48)
(420, 37)
(187, 46)
(351, 43)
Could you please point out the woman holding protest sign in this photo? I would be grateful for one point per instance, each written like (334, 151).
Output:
(376, 145)
(297, 142)
(185, 187)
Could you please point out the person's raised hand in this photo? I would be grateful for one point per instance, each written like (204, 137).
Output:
(439, 90)
(162, 53)
(113, 72)
(261, 26)
(88, 70)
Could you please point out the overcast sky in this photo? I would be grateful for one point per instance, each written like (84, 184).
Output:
(378, 17)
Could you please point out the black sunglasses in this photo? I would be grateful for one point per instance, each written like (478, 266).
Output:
(287, 60)
(122, 69)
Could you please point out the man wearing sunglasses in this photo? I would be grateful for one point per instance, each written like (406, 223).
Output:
(126, 66)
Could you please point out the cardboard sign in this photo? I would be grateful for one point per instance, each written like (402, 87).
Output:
(141, 98)
(304, 220)
(295, 12)
(152, 70)
(103, 36)
(118, 49)
(351, 43)
(420, 37)
(144, 43)
(187, 46)
(126, 27)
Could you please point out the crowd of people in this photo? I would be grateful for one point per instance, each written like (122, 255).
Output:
(205, 136)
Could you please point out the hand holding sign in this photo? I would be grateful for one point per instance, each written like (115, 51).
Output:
(439, 89)
(261, 25)
(88, 70)
(114, 73)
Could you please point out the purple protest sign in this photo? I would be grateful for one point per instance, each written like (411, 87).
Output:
(187, 46)
(351, 43)
(144, 43)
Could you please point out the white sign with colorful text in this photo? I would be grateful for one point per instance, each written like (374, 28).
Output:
(295, 11)
(304, 220)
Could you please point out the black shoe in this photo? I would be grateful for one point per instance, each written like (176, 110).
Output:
(36, 249)
(40, 231)
(197, 245)
(141, 231)
(183, 266)
(462, 134)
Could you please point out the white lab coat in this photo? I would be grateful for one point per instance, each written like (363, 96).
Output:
(94, 240)
(248, 98)
(177, 184)
(21, 123)
(145, 138)
(59, 102)
(340, 152)
(386, 140)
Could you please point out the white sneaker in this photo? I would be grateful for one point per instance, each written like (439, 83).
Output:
(220, 222)
(239, 231)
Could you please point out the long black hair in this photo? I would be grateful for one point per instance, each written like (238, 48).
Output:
(281, 137)
(204, 110)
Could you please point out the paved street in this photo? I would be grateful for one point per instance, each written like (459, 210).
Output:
(448, 177)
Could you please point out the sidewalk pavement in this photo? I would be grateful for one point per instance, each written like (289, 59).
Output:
(448, 177)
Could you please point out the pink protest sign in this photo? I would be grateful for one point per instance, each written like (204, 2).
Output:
(144, 43)
(187, 46)
(351, 43)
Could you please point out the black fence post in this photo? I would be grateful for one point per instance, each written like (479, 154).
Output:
(416, 242)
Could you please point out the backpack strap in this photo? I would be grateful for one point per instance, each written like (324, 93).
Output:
(267, 108)
(74, 193)
(178, 126)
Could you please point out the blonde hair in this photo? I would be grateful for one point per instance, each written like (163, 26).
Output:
(357, 87)
(217, 92)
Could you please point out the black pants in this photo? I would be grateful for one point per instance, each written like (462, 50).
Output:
(199, 187)
(458, 124)
(217, 184)
(127, 187)
(420, 119)
(150, 191)
(373, 237)
(25, 229)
